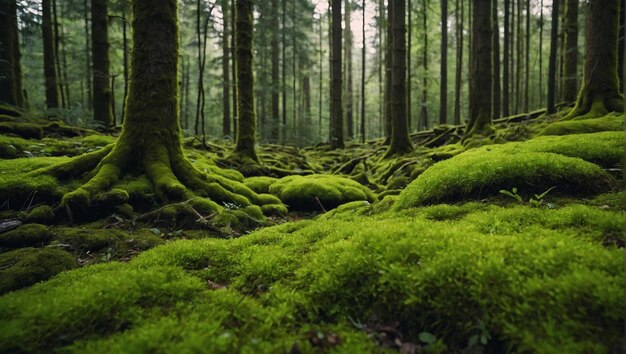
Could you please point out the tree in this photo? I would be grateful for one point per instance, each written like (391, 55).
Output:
(225, 72)
(570, 81)
(423, 108)
(49, 57)
(102, 107)
(552, 60)
(87, 54)
(600, 90)
(10, 69)
(349, 43)
(363, 74)
(506, 91)
(400, 140)
(496, 60)
(388, 75)
(336, 118)
(480, 114)
(150, 141)
(443, 93)
(459, 60)
(275, 121)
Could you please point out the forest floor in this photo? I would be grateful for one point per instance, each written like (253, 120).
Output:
(514, 242)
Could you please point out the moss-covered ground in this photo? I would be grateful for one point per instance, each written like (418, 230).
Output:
(512, 244)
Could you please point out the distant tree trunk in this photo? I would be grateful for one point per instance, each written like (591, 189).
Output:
(409, 78)
(321, 82)
(363, 76)
(306, 110)
(518, 56)
(506, 91)
(400, 140)
(458, 83)
(570, 81)
(554, 33)
(10, 70)
(49, 57)
(336, 121)
(620, 46)
(381, 60)
(481, 77)
(200, 95)
(388, 75)
(87, 54)
(186, 93)
(600, 90)
(283, 136)
(233, 67)
(225, 73)
(275, 121)
(349, 43)
(125, 49)
(443, 84)
(57, 37)
(423, 108)
(496, 61)
(66, 85)
(102, 108)
(245, 149)
(541, 25)
(527, 61)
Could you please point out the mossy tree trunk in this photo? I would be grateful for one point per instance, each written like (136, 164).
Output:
(49, 57)
(388, 76)
(600, 90)
(10, 70)
(443, 67)
(275, 121)
(102, 107)
(400, 141)
(481, 70)
(552, 59)
(570, 81)
(245, 149)
(336, 119)
(225, 73)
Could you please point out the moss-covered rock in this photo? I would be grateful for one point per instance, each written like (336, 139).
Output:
(611, 122)
(25, 236)
(308, 192)
(260, 184)
(24, 130)
(480, 174)
(27, 266)
(42, 214)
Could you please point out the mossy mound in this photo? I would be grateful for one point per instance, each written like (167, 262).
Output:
(482, 173)
(87, 239)
(24, 130)
(25, 236)
(27, 266)
(532, 284)
(611, 122)
(260, 184)
(42, 214)
(308, 192)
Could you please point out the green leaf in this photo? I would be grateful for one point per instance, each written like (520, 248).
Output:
(427, 338)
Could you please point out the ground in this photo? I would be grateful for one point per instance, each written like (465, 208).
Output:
(513, 244)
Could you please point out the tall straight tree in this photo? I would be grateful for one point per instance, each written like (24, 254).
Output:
(246, 133)
(480, 115)
(336, 118)
(102, 107)
(283, 135)
(388, 76)
(10, 69)
(349, 43)
(554, 33)
(458, 77)
(87, 53)
(496, 61)
(49, 57)
(506, 87)
(400, 140)
(443, 84)
(570, 81)
(225, 71)
(600, 90)
(363, 74)
(423, 108)
(541, 25)
(275, 120)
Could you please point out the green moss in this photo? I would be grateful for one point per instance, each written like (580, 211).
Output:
(27, 266)
(308, 192)
(483, 173)
(532, 278)
(25, 236)
(24, 130)
(260, 184)
(41, 214)
(611, 122)
(90, 239)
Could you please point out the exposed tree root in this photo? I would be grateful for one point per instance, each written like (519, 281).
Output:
(595, 107)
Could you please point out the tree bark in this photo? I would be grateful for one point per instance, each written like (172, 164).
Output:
(541, 25)
(225, 72)
(233, 67)
(363, 76)
(349, 43)
(443, 83)
(554, 32)
(400, 141)
(459, 60)
(336, 121)
(388, 74)
(505, 61)
(49, 57)
(481, 69)
(496, 61)
(570, 81)
(10, 70)
(102, 108)
(423, 107)
(87, 54)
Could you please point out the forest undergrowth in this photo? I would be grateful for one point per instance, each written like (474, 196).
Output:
(512, 242)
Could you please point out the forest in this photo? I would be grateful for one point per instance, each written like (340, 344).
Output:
(310, 176)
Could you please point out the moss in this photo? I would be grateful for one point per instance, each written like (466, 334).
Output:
(25, 235)
(40, 214)
(308, 192)
(27, 266)
(91, 239)
(24, 130)
(532, 278)
(480, 174)
(611, 122)
(260, 184)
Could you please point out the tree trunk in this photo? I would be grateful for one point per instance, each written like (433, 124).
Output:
(600, 90)
(87, 54)
(443, 84)
(225, 72)
(458, 77)
(541, 25)
(125, 54)
(102, 112)
(527, 61)
(56, 36)
(336, 121)
(423, 108)
(283, 135)
(388, 75)
(49, 57)
(400, 141)
(321, 81)
(349, 43)
(506, 91)
(570, 81)
(10, 70)
(409, 75)
(554, 33)
(496, 61)
(518, 57)
(274, 31)
(233, 73)
(381, 60)
(363, 76)
(481, 71)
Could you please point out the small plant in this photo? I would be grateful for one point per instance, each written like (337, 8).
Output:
(482, 337)
(536, 202)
